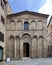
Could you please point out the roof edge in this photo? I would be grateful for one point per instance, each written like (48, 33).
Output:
(32, 12)
(49, 22)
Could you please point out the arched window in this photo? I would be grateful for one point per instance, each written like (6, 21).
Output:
(26, 26)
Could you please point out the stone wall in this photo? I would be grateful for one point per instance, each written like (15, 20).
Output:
(35, 36)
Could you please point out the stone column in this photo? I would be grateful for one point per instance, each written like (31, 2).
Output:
(15, 47)
(21, 49)
(34, 47)
(30, 50)
(39, 48)
(45, 48)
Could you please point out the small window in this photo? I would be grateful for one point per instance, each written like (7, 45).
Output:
(1, 37)
(26, 26)
(2, 19)
(2, 4)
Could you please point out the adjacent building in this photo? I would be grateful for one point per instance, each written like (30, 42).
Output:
(4, 10)
(49, 37)
(2, 28)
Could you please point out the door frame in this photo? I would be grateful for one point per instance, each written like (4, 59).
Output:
(27, 52)
(2, 53)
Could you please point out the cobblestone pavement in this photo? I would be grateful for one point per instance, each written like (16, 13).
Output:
(41, 61)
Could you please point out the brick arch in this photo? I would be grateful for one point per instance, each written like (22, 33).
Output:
(26, 38)
(19, 21)
(11, 36)
(26, 21)
(40, 21)
(33, 21)
(26, 33)
(35, 36)
(12, 21)
(17, 36)
(41, 37)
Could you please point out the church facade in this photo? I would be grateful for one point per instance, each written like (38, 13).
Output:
(26, 34)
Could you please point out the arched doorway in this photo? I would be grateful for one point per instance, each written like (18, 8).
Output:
(1, 53)
(26, 50)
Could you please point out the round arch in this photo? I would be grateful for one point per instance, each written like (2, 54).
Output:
(26, 33)
(39, 24)
(12, 21)
(26, 38)
(33, 21)
(26, 45)
(41, 36)
(33, 24)
(19, 21)
(35, 36)
(19, 24)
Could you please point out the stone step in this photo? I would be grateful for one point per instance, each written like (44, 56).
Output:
(41, 61)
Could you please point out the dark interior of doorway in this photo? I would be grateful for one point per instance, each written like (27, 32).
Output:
(26, 50)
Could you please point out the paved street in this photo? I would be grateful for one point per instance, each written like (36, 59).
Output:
(41, 61)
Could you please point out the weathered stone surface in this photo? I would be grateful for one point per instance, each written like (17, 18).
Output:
(35, 36)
